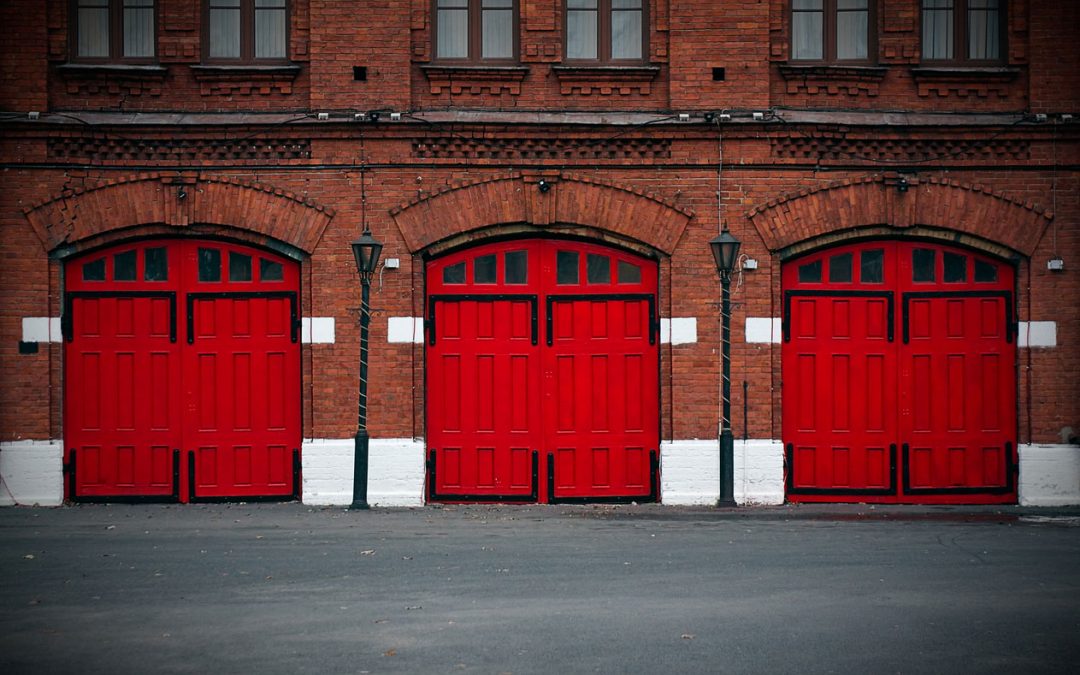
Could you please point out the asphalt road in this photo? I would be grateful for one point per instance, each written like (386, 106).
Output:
(639, 589)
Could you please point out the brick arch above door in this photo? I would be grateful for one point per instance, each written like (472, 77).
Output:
(926, 208)
(168, 203)
(566, 199)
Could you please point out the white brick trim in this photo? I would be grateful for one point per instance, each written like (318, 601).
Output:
(405, 329)
(41, 329)
(763, 330)
(1037, 334)
(395, 471)
(678, 330)
(317, 330)
(31, 473)
(690, 472)
(1049, 475)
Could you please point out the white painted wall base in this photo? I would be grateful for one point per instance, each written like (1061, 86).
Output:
(1049, 475)
(395, 472)
(690, 472)
(32, 473)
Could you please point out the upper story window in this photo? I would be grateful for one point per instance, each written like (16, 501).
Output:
(476, 30)
(963, 31)
(606, 31)
(246, 31)
(830, 31)
(114, 30)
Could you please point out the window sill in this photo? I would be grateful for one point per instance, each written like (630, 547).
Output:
(128, 79)
(463, 79)
(245, 80)
(832, 79)
(606, 80)
(964, 82)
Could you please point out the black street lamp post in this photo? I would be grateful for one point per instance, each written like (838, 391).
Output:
(725, 250)
(366, 250)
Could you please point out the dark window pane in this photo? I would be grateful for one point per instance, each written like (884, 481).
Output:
(566, 267)
(840, 268)
(484, 269)
(239, 267)
(124, 266)
(598, 269)
(955, 267)
(516, 267)
(872, 266)
(94, 270)
(157, 264)
(984, 272)
(454, 274)
(922, 264)
(209, 264)
(810, 273)
(629, 273)
(270, 270)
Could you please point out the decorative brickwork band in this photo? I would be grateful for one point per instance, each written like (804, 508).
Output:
(178, 201)
(565, 199)
(899, 202)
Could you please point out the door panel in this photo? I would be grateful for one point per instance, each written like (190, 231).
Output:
(920, 409)
(571, 416)
(181, 348)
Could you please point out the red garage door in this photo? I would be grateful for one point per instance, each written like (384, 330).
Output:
(899, 375)
(542, 374)
(182, 373)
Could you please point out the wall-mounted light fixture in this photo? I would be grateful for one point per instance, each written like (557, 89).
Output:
(543, 186)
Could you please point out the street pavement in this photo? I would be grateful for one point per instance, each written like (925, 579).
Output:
(287, 588)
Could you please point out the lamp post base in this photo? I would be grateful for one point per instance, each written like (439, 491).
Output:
(727, 469)
(360, 472)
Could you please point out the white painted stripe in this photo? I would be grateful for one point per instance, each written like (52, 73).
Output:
(41, 329)
(1037, 334)
(405, 329)
(763, 330)
(678, 330)
(317, 330)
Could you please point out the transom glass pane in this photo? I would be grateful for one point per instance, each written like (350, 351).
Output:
(156, 266)
(840, 268)
(872, 266)
(270, 270)
(209, 264)
(955, 268)
(922, 264)
(239, 267)
(810, 273)
(566, 267)
(94, 270)
(516, 267)
(454, 274)
(124, 266)
(985, 272)
(629, 273)
(597, 269)
(484, 269)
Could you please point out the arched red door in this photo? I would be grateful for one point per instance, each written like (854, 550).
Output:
(182, 373)
(542, 374)
(899, 375)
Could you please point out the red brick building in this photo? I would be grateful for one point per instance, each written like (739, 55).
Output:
(179, 305)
